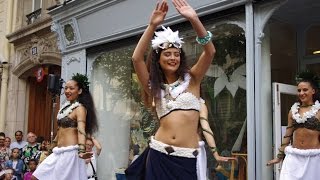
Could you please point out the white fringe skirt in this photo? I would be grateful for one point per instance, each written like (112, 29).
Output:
(300, 164)
(63, 164)
(202, 162)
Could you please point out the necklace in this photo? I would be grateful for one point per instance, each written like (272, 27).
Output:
(306, 105)
(66, 109)
(171, 86)
(312, 112)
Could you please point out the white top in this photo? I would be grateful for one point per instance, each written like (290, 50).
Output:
(175, 97)
(19, 145)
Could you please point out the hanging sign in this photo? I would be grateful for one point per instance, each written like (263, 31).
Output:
(39, 73)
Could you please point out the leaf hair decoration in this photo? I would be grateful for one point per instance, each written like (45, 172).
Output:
(82, 80)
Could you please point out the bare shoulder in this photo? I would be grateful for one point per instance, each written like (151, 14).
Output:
(81, 109)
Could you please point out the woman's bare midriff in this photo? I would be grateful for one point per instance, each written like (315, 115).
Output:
(306, 139)
(179, 128)
(67, 137)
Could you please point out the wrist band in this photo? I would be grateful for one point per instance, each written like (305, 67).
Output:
(81, 151)
(213, 149)
(204, 40)
(281, 154)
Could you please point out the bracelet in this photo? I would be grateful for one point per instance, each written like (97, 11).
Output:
(213, 149)
(204, 40)
(281, 154)
(81, 151)
(82, 145)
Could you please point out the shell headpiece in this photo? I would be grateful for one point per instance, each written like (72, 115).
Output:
(166, 39)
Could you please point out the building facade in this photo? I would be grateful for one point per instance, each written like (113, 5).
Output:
(32, 56)
(249, 87)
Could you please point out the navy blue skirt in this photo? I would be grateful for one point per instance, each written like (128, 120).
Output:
(154, 165)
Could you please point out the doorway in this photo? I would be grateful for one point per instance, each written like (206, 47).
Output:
(40, 104)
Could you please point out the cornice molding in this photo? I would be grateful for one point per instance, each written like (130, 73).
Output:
(29, 29)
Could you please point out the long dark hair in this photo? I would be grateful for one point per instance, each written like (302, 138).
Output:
(86, 100)
(157, 77)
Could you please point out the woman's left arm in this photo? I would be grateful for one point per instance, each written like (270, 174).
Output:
(200, 68)
(81, 114)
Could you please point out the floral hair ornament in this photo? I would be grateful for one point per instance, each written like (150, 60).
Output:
(308, 76)
(82, 80)
(166, 39)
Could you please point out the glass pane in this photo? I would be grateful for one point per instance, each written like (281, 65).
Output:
(36, 4)
(224, 90)
(283, 52)
(286, 102)
(313, 41)
(315, 68)
(112, 90)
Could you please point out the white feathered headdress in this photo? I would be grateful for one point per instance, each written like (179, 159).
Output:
(166, 39)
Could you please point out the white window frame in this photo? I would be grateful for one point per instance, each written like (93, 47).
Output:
(278, 89)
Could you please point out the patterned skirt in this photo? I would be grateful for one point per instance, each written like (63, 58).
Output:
(161, 161)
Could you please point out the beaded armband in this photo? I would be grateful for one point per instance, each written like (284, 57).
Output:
(81, 132)
(281, 154)
(50, 151)
(213, 149)
(82, 148)
(204, 40)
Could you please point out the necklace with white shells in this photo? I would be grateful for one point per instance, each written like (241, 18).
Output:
(312, 112)
(66, 109)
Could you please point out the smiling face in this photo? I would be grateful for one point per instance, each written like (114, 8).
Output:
(170, 60)
(72, 91)
(305, 93)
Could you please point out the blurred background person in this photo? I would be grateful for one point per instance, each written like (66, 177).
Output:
(93, 146)
(19, 143)
(33, 163)
(4, 152)
(15, 163)
(31, 150)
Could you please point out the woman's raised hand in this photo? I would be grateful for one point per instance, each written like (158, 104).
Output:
(184, 9)
(159, 13)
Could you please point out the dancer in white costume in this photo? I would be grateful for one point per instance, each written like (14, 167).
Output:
(76, 119)
(301, 144)
(208, 135)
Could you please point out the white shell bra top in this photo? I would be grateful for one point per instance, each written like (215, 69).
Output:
(175, 97)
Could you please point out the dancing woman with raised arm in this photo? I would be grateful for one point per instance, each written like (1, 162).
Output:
(175, 91)
(300, 148)
(76, 120)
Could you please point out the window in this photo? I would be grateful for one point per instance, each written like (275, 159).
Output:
(36, 4)
(313, 41)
